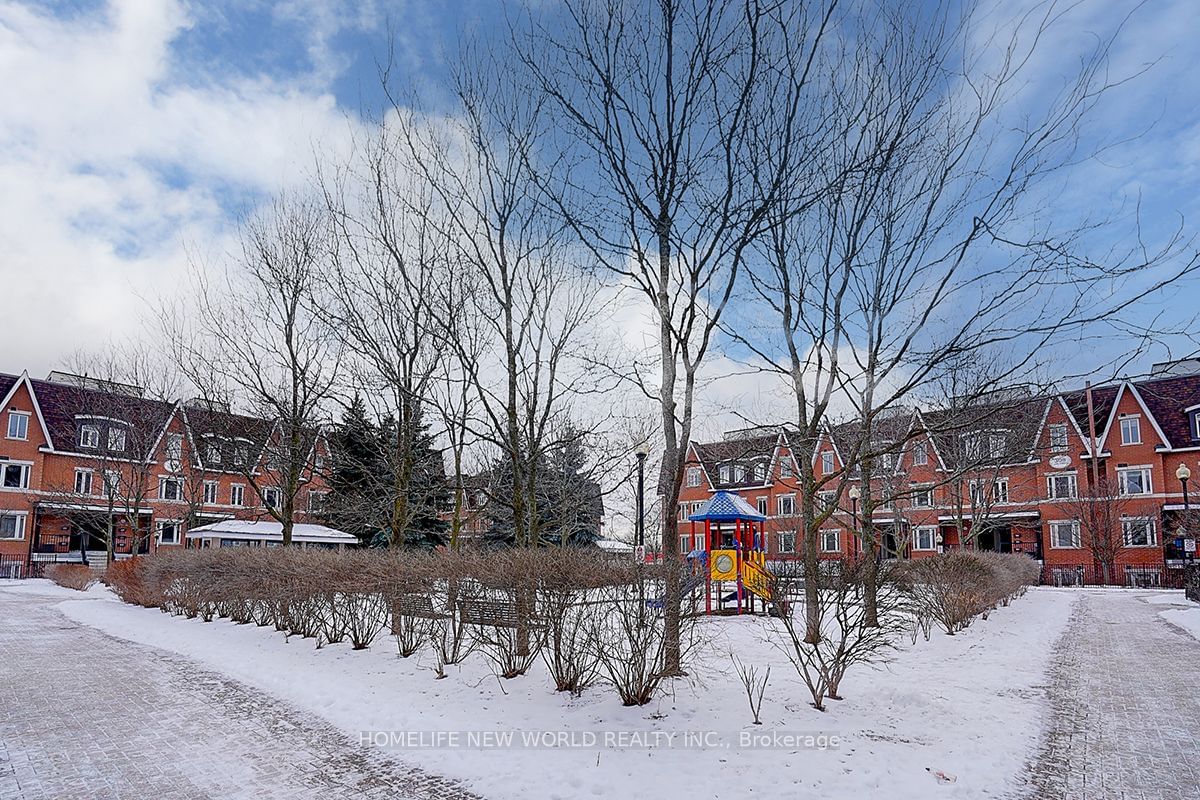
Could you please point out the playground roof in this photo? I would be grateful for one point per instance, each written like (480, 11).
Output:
(727, 507)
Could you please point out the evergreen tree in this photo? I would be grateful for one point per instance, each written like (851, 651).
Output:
(355, 465)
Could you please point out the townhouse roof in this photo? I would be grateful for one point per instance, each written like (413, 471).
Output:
(65, 405)
(1168, 399)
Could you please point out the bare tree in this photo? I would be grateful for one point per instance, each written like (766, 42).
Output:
(667, 107)
(248, 337)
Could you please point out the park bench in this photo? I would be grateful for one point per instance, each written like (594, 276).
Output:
(416, 605)
(489, 613)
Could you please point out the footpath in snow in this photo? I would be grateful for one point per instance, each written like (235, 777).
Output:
(971, 705)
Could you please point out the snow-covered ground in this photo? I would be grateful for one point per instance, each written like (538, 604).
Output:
(1186, 614)
(969, 705)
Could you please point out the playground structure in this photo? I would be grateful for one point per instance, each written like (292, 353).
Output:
(733, 551)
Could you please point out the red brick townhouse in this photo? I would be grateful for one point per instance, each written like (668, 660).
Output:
(83, 462)
(1014, 474)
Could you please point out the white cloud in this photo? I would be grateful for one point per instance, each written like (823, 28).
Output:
(110, 166)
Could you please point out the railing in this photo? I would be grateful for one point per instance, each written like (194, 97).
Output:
(1154, 577)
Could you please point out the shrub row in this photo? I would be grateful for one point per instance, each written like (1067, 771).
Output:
(583, 612)
(72, 576)
(954, 588)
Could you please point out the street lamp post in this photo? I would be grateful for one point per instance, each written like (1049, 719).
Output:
(855, 493)
(1183, 474)
(641, 454)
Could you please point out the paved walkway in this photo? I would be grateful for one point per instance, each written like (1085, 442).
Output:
(1125, 690)
(85, 715)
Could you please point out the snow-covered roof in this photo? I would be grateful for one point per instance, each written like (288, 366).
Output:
(270, 530)
(613, 546)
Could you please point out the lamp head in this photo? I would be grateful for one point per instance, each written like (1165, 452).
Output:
(854, 493)
(1183, 473)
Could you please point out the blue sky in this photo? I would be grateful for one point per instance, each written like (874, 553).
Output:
(135, 131)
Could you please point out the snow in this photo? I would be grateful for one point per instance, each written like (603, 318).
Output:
(1186, 619)
(970, 706)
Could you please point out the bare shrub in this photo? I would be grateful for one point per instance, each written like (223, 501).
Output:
(847, 636)
(755, 684)
(953, 588)
(72, 576)
(129, 580)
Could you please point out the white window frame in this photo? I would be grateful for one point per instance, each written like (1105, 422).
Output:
(685, 546)
(920, 454)
(739, 473)
(13, 417)
(683, 512)
(237, 495)
(1056, 525)
(783, 540)
(785, 467)
(111, 482)
(1151, 531)
(166, 480)
(922, 531)
(1136, 428)
(210, 492)
(212, 452)
(26, 468)
(724, 473)
(791, 503)
(1059, 440)
(763, 503)
(827, 462)
(89, 436)
(20, 518)
(161, 524)
(267, 491)
(1051, 493)
(1000, 497)
(117, 439)
(174, 450)
(83, 476)
(826, 499)
(693, 477)
(760, 472)
(1147, 485)
(315, 498)
(922, 492)
(829, 534)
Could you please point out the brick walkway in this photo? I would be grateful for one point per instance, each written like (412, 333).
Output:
(1126, 707)
(85, 715)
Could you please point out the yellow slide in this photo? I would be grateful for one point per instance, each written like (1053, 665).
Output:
(757, 578)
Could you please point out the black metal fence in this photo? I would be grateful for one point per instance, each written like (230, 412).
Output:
(1191, 582)
(1132, 577)
(25, 566)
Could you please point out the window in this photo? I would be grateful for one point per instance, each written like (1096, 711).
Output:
(15, 475)
(762, 506)
(170, 489)
(1133, 481)
(831, 541)
(316, 501)
(1061, 486)
(1064, 533)
(116, 439)
(760, 472)
(739, 473)
(827, 463)
(241, 454)
(978, 495)
(1131, 430)
(237, 495)
(1058, 436)
(997, 443)
(785, 505)
(174, 450)
(271, 497)
(12, 526)
(826, 501)
(785, 467)
(1195, 425)
(683, 512)
(83, 481)
(887, 462)
(168, 532)
(89, 437)
(1139, 532)
(922, 497)
(1000, 490)
(925, 538)
(212, 453)
(685, 543)
(724, 473)
(693, 476)
(920, 454)
(112, 482)
(210, 492)
(18, 425)
(787, 542)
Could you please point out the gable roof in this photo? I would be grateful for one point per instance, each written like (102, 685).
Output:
(63, 404)
(1167, 401)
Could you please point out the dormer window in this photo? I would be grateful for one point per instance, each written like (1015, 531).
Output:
(89, 437)
(116, 439)
(725, 473)
(1195, 425)
(760, 472)
(241, 455)
(18, 425)
(739, 473)
(1131, 430)
(212, 453)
